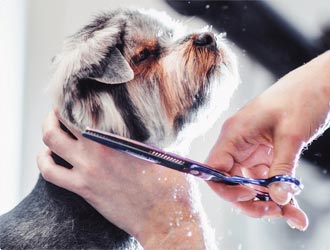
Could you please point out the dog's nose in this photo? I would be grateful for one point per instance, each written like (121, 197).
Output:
(206, 39)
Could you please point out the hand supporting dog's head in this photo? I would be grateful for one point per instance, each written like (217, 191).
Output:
(133, 75)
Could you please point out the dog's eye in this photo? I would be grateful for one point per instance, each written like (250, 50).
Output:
(143, 55)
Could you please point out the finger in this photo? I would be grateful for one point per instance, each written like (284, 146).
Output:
(260, 209)
(56, 139)
(257, 172)
(237, 170)
(50, 122)
(233, 193)
(54, 173)
(220, 160)
(262, 155)
(76, 133)
(295, 217)
(287, 148)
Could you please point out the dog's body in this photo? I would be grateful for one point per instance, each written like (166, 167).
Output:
(129, 74)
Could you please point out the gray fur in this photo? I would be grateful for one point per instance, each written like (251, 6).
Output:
(161, 90)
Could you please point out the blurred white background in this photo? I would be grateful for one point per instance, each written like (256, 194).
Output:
(32, 33)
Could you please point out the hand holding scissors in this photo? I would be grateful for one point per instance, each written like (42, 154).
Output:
(185, 165)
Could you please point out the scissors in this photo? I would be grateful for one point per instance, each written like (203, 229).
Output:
(185, 165)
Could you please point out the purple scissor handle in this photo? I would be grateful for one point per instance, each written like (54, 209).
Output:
(209, 174)
(185, 165)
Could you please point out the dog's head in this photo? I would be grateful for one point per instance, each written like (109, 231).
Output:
(131, 74)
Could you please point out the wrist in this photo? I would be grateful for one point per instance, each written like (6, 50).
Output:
(188, 235)
(181, 234)
(167, 221)
(175, 222)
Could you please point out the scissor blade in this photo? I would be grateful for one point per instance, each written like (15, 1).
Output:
(136, 149)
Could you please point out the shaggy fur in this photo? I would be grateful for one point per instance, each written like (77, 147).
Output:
(130, 74)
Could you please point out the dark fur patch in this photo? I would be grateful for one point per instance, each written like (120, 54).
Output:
(137, 129)
(88, 87)
(54, 218)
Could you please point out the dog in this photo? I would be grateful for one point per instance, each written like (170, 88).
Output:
(135, 73)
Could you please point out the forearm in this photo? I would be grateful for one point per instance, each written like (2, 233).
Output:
(317, 75)
(321, 64)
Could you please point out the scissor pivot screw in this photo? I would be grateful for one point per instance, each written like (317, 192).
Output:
(194, 172)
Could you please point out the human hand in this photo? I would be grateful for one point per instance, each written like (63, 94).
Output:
(154, 204)
(265, 138)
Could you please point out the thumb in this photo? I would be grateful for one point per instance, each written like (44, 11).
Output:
(220, 160)
(287, 148)
(224, 162)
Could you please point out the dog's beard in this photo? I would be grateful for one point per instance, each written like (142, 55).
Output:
(214, 82)
(217, 101)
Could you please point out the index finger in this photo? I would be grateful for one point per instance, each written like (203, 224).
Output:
(66, 126)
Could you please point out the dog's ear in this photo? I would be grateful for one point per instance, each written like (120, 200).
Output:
(117, 69)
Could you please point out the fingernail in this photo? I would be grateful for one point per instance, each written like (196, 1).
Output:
(296, 225)
(281, 193)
